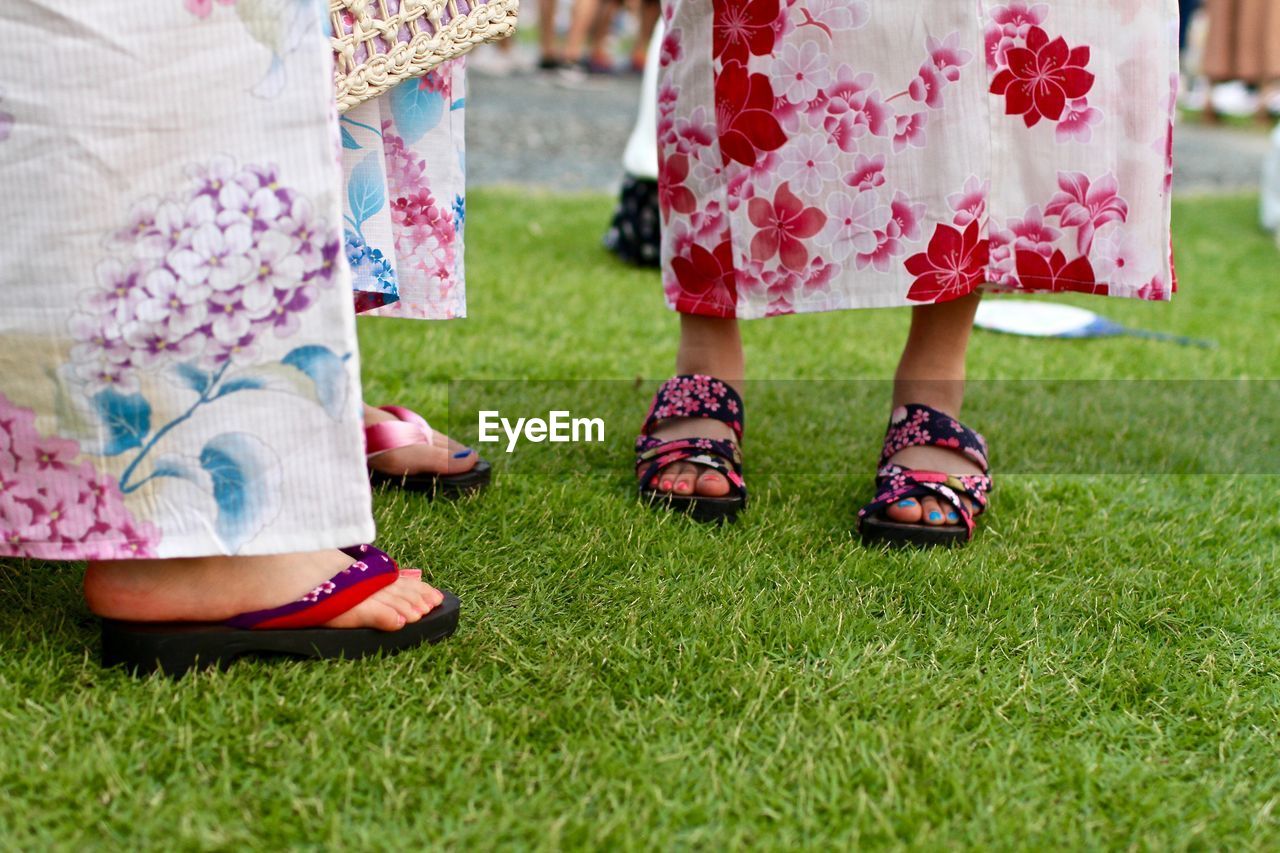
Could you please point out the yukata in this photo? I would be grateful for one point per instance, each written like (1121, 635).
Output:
(819, 155)
(179, 373)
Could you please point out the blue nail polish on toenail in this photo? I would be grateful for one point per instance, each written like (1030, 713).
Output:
(935, 516)
(906, 504)
(951, 516)
(463, 454)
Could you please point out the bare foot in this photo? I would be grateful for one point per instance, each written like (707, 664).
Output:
(212, 589)
(442, 455)
(688, 478)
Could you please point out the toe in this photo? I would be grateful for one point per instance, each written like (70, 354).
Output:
(403, 598)
(712, 484)
(934, 513)
(905, 511)
(686, 480)
(667, 476)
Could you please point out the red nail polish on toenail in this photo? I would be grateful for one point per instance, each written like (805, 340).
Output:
(666, 484)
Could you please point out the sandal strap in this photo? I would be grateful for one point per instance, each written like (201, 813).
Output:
(408, 429)
(722, 455)
(895, 483)
(372, 570)
(696, 396)
(916, 425)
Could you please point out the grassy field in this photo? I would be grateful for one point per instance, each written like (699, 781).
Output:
(1099, 669)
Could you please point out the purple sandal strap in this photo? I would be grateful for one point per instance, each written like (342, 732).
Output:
(372, 570)
(915, 425)
(696, 396)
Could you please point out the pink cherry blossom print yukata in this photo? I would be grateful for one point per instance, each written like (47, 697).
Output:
(829, 154)
(178, 365)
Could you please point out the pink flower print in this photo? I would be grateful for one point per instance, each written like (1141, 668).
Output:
(670, 50)
(910, 132)
(903, 224)
(1087, 206)
(867, 174)
(672, 193)
(970, 203)
(1124, 262)
(784, 224)
(217, 257)
(202, 8)
(1042, 77)
(833, 16)
(1028, 234)
(854, 109)
(851, 224)
(801, 71)
(947, 56)
(695, 133)
(1078, 121)
(953, 266)
(1018, 17)
(997, 46)
(927, 87)
(808, 163)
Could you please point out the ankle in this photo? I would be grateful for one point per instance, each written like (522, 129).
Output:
(711, 346)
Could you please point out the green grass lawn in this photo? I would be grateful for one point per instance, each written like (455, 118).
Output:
(1099, 669)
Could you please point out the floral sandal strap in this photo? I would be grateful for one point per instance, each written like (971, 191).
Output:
(696, 396)
(722, 455)
(916, 425)
(372, 570)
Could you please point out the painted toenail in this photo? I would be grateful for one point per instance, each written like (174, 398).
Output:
(666, 484)
(935, 516)
(951, 516)
(907, 504)
(463, 454)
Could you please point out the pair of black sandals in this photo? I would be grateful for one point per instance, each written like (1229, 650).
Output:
(700, 396)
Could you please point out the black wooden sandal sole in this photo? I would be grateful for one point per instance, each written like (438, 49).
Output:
(447, 487)
(877, 530)
(701, 509)
(175, 648)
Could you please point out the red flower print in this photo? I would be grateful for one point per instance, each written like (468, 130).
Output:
(672, 193)
(953, 266)
(744, 115)
(1042, 77)
(705, 281)
(1056, 274)
(742, 30)
(1087, 205)
(784, 224)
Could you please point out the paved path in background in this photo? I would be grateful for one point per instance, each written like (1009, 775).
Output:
(535, 131)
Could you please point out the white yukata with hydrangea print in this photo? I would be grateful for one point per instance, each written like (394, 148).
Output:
(178, 364)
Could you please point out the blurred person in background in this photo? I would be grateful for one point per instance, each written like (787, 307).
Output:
(1242, 57)
(571, 57)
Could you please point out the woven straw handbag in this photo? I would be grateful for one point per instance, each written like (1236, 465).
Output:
(379, 43)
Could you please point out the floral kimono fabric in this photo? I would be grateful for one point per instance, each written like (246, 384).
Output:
(178, 365)
(829, 154)
(404, 159)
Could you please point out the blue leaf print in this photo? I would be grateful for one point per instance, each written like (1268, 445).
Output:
(327, 370)
(192, 377)
(246, 478)
(241, 383)
(349, 141)
(459, 104)
(365, 190)
(126, 420)
(415, 109)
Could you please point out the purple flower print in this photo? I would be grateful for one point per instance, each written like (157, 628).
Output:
(51, 504)
(235, 256)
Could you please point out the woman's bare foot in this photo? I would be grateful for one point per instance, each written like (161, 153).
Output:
(931, 373)
(213, 589)
(709, 346)
(442, 456)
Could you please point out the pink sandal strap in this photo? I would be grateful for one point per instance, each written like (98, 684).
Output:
(409, 429)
